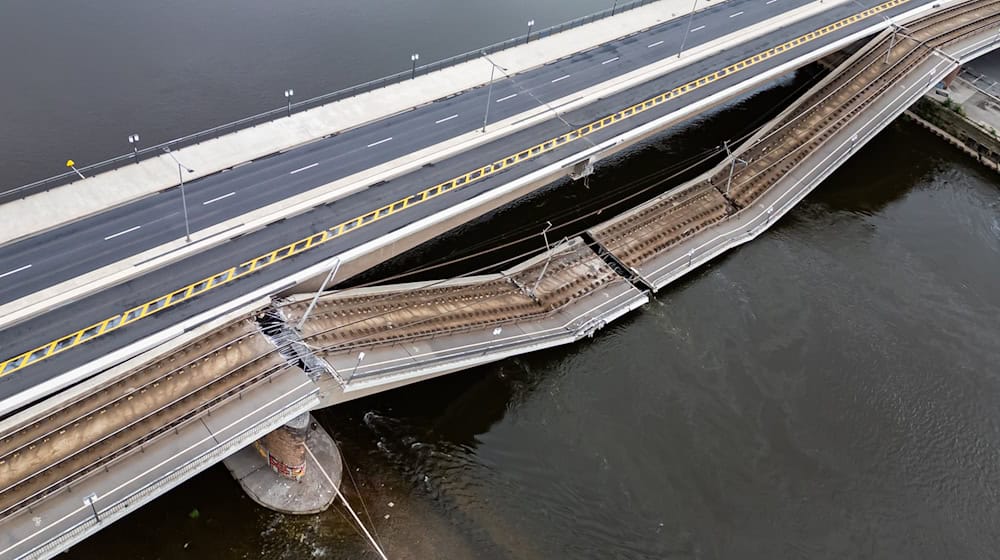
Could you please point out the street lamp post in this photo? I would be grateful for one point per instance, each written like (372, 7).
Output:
(684, 39)
(89, 500)
(361, 356)
(413, 71)
(312, 304)
(732, 165)
(289, 93)
(489, 90)
(531, 23)
(133, 139)
(180, 168)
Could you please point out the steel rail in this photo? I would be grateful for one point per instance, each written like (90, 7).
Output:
(106, 460)
(959, 34)
(97, 406)
(33, 356)
(503, 319)
(942, 39)
(831, 122)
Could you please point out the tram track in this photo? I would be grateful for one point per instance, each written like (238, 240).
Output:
(532, 292)
(89, 433)
(662, 224)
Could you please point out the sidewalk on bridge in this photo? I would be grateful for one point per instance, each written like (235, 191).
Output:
(423, 88)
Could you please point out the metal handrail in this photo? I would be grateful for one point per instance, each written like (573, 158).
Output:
(285, 110)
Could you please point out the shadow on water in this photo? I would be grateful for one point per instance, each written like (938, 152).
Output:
(620, 183)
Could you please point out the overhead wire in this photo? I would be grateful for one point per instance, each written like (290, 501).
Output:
(527, 254)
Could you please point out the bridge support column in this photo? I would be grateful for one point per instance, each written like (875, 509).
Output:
(951, 77)
(294, 469)
(285, 448)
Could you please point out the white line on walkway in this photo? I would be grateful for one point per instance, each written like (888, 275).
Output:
(610, 60)
(699, 28)
(129, 230)
(310, 166)
(511, 96)
(25, 267)
(383, 141)
(736, 14)
(218, 198)
(560, 79)
(656, 44)
(446, 119)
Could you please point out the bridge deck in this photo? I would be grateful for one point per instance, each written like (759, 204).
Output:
(412, 330)
(426, 330)
(733, 203)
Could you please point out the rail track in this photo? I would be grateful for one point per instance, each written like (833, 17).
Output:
(340, 323)
(90, 433)
(96, 430)
(653, 228)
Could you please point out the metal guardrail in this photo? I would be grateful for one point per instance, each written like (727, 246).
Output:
(267, 116)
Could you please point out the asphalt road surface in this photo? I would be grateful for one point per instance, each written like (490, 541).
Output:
(78, 248)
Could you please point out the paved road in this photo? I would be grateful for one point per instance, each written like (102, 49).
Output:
(78, 248)
(99, 306)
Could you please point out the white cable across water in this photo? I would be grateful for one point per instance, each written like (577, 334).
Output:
(374, 544)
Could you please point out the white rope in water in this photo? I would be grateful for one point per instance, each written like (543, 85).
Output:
(374, 544)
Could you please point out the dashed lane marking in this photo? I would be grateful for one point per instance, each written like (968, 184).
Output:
(382, 141)
(218, 198)
(320, 238)
(16, 270)
(301, 169)
(129, 230)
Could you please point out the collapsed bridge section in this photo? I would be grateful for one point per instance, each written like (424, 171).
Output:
(767, 175)
(414, 330)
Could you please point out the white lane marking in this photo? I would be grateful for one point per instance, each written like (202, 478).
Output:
(310, 166)
(736, 14)
(383, 141)
(446, 119)
(16, 270)
(129, 230)
(770, 1)
(511, 96)
(560, 79)
(656, 44)
(699, 28)
(609, 61)
(218, 198)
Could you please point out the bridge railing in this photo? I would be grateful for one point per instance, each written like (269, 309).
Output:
(305, 105)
